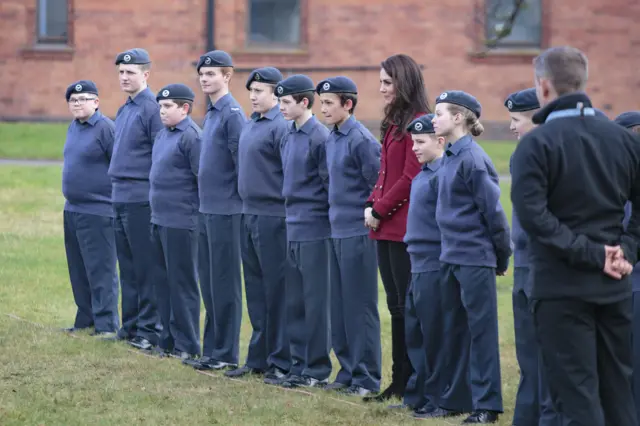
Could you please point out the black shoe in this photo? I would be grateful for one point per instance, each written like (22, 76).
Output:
(207, 363)
(390, 392)
(336, 386)
(160, 353)
(275, 377)
(481, 417)
(181, 355)
(430, 413)
(141, 343)
(355, 390)
(294, 381)
(243, 371)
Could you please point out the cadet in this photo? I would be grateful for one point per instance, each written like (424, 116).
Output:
(305, 188)
(533, 403)
(221, 208)
(475, 247)
(353, 160)
(424, 332)
(264, 239)
(174, 222)
(137, 123)
(580, 295)
(631, 121)
(89, 237)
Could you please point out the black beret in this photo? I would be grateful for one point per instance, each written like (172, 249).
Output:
(628, 119)
(137, 56)
(297, 83)
(524, 100)
(463, 99)
(338, 84)
(215, 58)
(269, 75)
(421, 125)
(176, 91)
(82, 86)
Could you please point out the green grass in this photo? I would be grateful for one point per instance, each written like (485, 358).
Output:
(45, 141)
(49, 378)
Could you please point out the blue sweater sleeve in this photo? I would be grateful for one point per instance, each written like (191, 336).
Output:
(321, 161)
(190, 145)
(486, 195)
(529, 196)
(367, 156)
(234, 125)
(152, 120)
(106, 138)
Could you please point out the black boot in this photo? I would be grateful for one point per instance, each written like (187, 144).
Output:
(401, 368)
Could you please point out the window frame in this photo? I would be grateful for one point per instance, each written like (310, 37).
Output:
(45, 38)
(504, 43)
(251, 45)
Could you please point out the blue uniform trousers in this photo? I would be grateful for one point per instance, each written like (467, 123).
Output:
(355, 322)
(138, 272)
(471, 321)
(264, 264)
(89, 241)
(219, 266)
(307, 291)
(177, 290)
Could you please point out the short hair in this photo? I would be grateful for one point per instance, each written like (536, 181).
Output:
(298, 97)
(565, 67)
(344, 97)
(181, 103)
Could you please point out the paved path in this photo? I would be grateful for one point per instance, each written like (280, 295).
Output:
(18, 162)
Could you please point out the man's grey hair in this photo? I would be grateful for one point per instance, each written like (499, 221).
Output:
(566, 67)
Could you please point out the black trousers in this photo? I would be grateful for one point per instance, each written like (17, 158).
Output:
(586, 355)
(395, 270)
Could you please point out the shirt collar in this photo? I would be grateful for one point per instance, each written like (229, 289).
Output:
(569, 101)
(221, 103)
(459, 145)
(269, 115)
(94, 118)
(183, 125)
(346, 127)
(145, 94)
(433, 165)
(307, 127)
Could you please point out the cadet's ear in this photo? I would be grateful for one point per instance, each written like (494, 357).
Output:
(441, 141)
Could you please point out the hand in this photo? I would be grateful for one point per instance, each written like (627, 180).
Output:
(615, 265)
(370, 221)
(501, 273)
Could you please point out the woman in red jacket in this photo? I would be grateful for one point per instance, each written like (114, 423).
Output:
(405, 98)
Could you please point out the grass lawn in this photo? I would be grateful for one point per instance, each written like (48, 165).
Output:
(49, 378)
(45, 141)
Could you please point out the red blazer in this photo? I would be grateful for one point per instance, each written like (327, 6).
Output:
(390, 196)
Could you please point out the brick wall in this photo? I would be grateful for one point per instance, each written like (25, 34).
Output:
(440, 35)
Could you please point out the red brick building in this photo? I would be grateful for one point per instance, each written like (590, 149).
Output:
(46, 44)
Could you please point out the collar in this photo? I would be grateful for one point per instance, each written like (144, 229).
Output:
(146, 93)
(346, 127)
(568, 102)
(93, 119)
(183, 125)
(433, 165)
(459, 145)
(269, 115)
(306, 127)
(221, 103)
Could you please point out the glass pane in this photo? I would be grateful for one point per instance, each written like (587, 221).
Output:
(52, 19)
(274, 22)
(527, 27)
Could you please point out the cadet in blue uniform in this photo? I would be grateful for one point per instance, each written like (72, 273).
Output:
(631, 121)
(137, 123)
(264, 239)
(424, 328)
(353, 160)
(306, 189)
(89, 237)
(476, 245)
(533, 403)
(221, 208)
(174, 222)
(570, 200)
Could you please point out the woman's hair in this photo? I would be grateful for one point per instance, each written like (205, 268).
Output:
(410, 94)
(471, 122)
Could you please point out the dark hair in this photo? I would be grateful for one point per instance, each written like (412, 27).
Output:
(182, 102)
(566, 67)
(344, 97)
(298, 97)
(410, 97)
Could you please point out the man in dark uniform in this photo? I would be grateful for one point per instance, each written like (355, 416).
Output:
(571, 179)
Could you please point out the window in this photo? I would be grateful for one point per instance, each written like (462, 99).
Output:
(526, 31)
(274, 23)
(52, 21)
